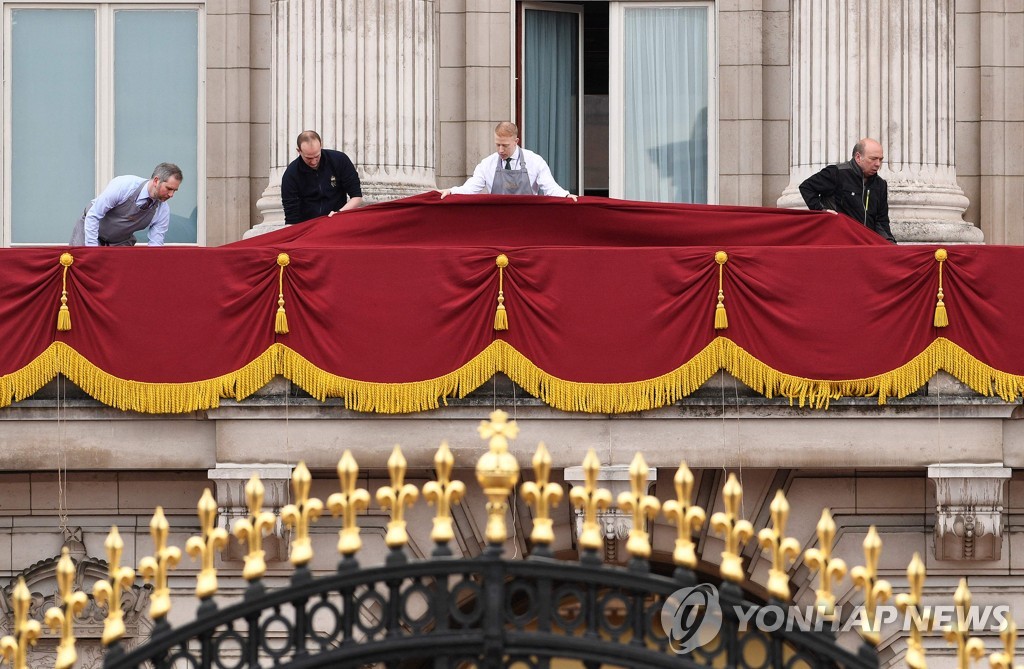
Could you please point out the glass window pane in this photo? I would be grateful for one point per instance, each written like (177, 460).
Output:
(551, 99)
(666, 104)
(156, 88)
(53, 121)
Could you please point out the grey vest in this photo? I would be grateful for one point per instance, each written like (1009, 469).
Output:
(118, 226)
(513, 181)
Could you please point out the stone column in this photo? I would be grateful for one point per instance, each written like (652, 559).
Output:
(362, 73)
(881, 69)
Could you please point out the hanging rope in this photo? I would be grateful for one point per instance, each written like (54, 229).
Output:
(281, 320)
(941, 319)
(721, 318)
(64, 315)
(500, 316)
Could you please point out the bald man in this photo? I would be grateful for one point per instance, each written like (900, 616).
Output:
(853, 188)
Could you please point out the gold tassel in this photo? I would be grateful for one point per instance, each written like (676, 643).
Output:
(64, 315)
(281, 321)
(941, 320)
(721, 318)
(500, 316)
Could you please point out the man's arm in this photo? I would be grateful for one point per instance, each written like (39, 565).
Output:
(818, 189)
(290, 196)
(350, 182)
(544, 180)
(113, 195)
(882, 218)
(478, 183)
(158, 226)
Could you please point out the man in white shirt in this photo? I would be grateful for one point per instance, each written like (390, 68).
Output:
(511, 170)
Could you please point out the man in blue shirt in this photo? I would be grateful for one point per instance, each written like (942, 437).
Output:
(129, 204)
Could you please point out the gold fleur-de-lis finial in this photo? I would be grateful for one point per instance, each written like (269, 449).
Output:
(829, 569)
(959, 633)
(205, 546)
(542, 495)
(348, 503)
(644, 507)
(876, 590)
(1005, 659)
(157, 567)
(251, 530)
(783, 549)
(62, 617)
(108, 592)
(14, 648)
(734, 530)
(444, 493)
(591, 499)
(301, 514)
(397, 497)
(685, 516)
(920, 622)
(497, 472)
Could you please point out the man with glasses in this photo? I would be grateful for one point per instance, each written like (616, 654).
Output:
(127, 205)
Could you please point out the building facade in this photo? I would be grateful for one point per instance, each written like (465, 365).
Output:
(724, 102)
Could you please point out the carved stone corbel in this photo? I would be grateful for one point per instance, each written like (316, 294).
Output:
(969, 511)
(230, 480)
(615, 525)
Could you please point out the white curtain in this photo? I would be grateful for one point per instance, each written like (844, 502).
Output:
(666, 104)
(551, 95)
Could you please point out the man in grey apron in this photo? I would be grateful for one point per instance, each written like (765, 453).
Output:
(511, 170)
(129, 204)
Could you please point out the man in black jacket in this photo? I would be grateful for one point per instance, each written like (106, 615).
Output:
(320, 182)
(853, 188)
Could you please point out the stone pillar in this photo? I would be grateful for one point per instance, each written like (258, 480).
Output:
(362, 73)
(969, 511)
(881, 69)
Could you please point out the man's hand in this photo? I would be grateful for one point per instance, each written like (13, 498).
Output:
(574, 197)
(444, 193)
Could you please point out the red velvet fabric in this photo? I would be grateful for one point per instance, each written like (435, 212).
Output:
(598, 291)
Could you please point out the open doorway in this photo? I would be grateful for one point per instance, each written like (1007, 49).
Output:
(620, 97)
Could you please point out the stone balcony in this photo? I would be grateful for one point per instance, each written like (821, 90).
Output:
(722, 424)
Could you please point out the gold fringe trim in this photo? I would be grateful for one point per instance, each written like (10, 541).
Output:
(163, 398)
(499, 356)
(26, 381)
(390, 398)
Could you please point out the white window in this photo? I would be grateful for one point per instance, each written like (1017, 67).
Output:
(662, 111)
(93, 91)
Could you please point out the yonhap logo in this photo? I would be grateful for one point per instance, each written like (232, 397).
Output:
(691, 617)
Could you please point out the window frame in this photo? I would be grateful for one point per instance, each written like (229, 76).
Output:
(536, 5)
(104, 103)
(617, 86)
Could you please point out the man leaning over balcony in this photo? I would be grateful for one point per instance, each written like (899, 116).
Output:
(129, 204)
(511, 170)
